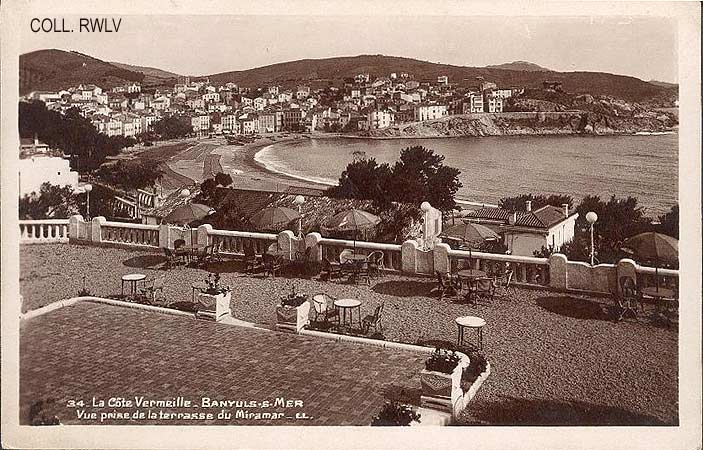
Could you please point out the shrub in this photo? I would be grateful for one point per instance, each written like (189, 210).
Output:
(477, 366)
(442, 360)
(395, 414)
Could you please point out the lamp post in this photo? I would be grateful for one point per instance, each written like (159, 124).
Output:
(591, 218)
(87, 188)
(299, 200)
(185, 193)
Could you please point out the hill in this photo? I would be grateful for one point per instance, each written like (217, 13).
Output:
(664, 84)
(335, 69)
(54, 69)
(149, 72)
(519, 65)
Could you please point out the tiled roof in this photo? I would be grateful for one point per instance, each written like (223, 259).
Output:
(543, 217)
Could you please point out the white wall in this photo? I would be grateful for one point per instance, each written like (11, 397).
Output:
(35, 171)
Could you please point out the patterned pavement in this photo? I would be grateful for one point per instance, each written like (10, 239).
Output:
(93, 352)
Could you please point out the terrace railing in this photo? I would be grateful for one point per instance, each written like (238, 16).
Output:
(526, 269)
(392, 258)
(130, 233)
(555, 272)
(234, 242)
(43, 231)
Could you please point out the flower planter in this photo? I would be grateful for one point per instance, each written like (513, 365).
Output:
(293, 318)
(439, 384)
(214, 306)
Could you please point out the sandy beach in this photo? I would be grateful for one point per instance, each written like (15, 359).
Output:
(201, 158)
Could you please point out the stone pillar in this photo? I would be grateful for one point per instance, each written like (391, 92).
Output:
(441, 258)
(164, 236)
(286, 242)
(95, 232)
(203, 235)
(625, 268)
(558, 272)
(312, 241)
(408, 256)
(77, 228)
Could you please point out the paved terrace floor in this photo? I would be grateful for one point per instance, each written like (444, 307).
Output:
(98, 351)
(557, 359)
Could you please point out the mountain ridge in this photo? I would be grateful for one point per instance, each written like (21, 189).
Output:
(55, 69)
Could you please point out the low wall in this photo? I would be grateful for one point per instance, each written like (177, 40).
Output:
(555, 272)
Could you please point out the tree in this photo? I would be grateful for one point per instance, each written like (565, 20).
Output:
(223, 179)
(420, 175)
(172, 127)
(363, 179)
(70, 132)
(669, 223)
(51, 201)
(618, 219)
(538, 200)
(136, 174)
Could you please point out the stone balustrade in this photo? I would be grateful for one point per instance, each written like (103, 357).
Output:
(43, 231)
(555, 272)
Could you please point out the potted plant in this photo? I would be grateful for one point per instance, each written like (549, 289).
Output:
(215, 299)
(442, 374)
(395, 414)
(293, 312)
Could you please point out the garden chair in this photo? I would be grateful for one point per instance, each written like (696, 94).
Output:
(480, 287)
(375, 260)
(272, 264)
(504, 282)
(373, 320)
(156, 287)
(216, 252)
(171, 258)
(251, 263)
(324, 310)
(344, 256)
(204, 256)
(179, 251)
(330, 269)
(361, 270)
(445, 287)
(302, 261)
(626, 299)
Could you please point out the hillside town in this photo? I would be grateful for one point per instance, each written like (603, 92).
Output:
(361, 103)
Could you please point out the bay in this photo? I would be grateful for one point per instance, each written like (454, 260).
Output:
(642, 166)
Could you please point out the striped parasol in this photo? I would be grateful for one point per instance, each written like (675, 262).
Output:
(353, 220)
(273, 217)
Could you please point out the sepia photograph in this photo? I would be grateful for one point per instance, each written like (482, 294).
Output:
(347, 218)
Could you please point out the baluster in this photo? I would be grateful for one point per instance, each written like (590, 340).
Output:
(522, 272)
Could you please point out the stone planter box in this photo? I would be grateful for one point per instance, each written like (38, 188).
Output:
(471, 392)
(439, 388)
(215, 307)
(293, 318)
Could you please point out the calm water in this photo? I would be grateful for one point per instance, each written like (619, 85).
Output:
(645, 167)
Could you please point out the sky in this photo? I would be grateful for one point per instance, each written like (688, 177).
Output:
(643, 47)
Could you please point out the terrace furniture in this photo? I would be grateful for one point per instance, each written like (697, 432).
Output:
(505, 284)
(330, 269)
(446, 287)
(345, 256)
(626, 299)
(373, 320)
(157, 286)
(484, 287)
(302, 260)
(323, 307)
(250, 259)
(132, 279)
(664, 301)
(171, 258)
(216, 252)
(197, 287)
(272, 264)
(375, 260)
(472, 322)
(348, 304)
(203, 256)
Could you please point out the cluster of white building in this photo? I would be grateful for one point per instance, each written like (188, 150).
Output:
(360, 103)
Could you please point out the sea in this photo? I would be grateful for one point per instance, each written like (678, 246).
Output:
(642, 166)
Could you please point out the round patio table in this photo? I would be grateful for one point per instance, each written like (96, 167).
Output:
(131, 280)
(348, 304)
(474, 322)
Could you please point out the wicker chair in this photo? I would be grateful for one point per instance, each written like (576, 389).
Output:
(626, 299)
(445, 287)
(156, 287)
(375, 260)
(374, 320)
(330, 269)
(324, 308)
(272, 264)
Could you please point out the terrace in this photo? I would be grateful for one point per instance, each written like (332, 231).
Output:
(556, 356)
